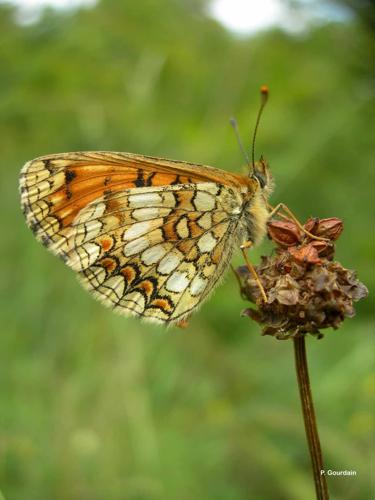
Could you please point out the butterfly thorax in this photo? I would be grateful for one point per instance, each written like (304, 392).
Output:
(255, 213)
(255, 217)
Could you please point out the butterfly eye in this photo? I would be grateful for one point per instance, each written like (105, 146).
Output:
(261, 178)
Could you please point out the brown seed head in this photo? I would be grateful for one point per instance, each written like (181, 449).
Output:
(306, 290)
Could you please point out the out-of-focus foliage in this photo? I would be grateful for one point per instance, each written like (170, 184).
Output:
(365, 9)
(96, 406)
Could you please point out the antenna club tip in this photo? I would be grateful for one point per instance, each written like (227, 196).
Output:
(264, 90)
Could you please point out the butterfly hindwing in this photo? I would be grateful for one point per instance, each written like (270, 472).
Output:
(148, 237)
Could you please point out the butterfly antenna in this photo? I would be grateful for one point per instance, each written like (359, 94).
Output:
(263, 101)
(234, 124)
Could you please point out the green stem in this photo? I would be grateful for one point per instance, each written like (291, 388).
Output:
(309, 418)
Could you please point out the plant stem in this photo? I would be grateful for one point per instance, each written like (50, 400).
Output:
(309, 418)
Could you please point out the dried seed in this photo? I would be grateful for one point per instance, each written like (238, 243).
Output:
(330, 228)
(284, 233)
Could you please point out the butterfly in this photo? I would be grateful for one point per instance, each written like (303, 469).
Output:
(148, 237)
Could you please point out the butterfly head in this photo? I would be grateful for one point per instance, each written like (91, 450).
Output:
(262, 174)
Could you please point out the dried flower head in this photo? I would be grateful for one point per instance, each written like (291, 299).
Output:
(306, 289)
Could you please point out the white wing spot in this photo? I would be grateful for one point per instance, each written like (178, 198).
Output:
(148, 213)
(206, 243)
(137, 229)
(210, 188)
(204, 202)
(153, 254)
(197, 285)
(136, 246)
(170, 262)
(177, 282)
(143, 199)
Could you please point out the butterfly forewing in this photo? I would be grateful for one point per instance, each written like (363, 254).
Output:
(148, 237)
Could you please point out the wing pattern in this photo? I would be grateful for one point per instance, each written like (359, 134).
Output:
(147, 237)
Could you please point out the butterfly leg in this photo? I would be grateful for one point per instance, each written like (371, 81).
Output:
(281, 207)
(250, 267)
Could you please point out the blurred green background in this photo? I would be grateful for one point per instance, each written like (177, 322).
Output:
(96, 406)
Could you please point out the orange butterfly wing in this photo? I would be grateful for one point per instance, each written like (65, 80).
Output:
(78, 205)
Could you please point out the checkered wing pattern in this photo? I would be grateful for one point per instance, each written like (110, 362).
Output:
(148, 237)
